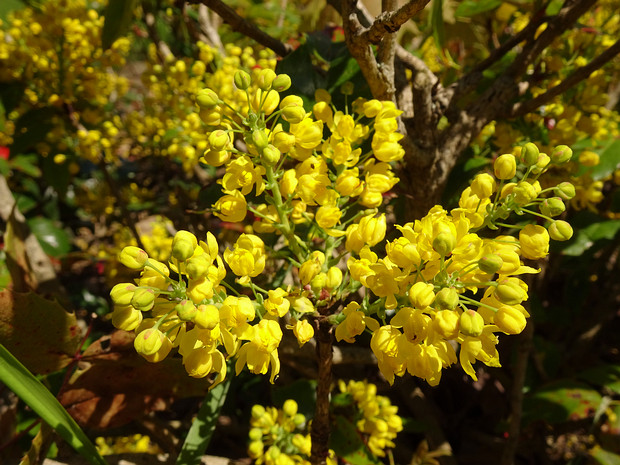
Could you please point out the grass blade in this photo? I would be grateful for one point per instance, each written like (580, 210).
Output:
(29, 389)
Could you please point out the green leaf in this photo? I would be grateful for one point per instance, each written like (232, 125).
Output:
(437, 24)
(55, 241)
(609, 161)
(7, 6)
(31, 128)
(202, 428)
(607, 375)
(118, 18)
(604, 457)
(348, 445)
(27, 164)
(561, 401)
(302, 391)
(586, 237)
(468, 8)
(29, 389)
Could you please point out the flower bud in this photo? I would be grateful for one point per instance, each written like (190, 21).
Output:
(534, 242)
(133, 257)
(183, 245)
(149, 341)
(541, 164)
(490, 263)
(524, 193)
(561, 154)
(207, 316)
(260, 139)
(509, 292)
(126, 317)
(143, 299)
(372, 108)
(242, 80)
(293, 114)
(421, 294)
(211, 117)
(319, 281)
(186, 310)
(509, 319)
(290, 407)
(265, 102)
(256, 434)
(281, 83)
(347, 88)
(303, 331)
(270, 155)
(265, 79)
(256, 449)
(446, 323)
(529, 154)
(505, 166)
(122, 293)
(560, 230)
(446, 299)
(207, 99)
(198, 266)
(218, 140)
(311, 267)
(552, 207)
(471, 323)
(565, 190)
(334, 277)
(483, 186)
(444, 243)
(302, 305)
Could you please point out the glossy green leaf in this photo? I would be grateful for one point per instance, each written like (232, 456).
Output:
(609, 161)
(470, 8)
(561, 401)
(118, 18)
(27, 164)
(202, 428)
(6, 6)
(55, 241)
(348, 445)
(586, 237)
(29, 389)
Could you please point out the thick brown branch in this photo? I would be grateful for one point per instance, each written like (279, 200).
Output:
(390, 22)
(246, 28)
(320, 431)
(522, 108)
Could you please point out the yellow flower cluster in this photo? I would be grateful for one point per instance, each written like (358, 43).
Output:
(379, 421)
(446, 283)
(137, 443)
(279, 436)
(55, 50)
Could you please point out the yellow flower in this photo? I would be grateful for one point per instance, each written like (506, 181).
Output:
(247, 259)
(303, 331)
(261, 352)
(277, 304)
(231, 207)
(534, 242)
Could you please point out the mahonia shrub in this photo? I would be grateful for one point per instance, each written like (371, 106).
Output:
(315, 181)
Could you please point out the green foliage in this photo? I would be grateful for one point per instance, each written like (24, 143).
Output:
(118, 17)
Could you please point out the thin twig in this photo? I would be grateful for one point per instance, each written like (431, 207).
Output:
(245, 27)
(522, 108)
(390, 21)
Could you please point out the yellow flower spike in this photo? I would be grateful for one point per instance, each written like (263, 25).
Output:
(261, 352)
(242, 174)
(231, 207)
(183, 245)
(421, 295)
(505, 166)
(122, 293)
(277, 304)
(149, 341)
(534, 242)
(303, 331)
(560, 230)
(133, 257)
(510, 319)
(308, 133)
(126, 317)
(415, 324)
(247, 257)
(471, 323)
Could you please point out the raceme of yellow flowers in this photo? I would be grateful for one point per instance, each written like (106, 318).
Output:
(316, 180)
(281, 436)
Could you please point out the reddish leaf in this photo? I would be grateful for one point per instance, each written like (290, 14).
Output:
(39, 332)
(115, 385)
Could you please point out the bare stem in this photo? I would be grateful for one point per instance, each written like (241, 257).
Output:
(321, 421)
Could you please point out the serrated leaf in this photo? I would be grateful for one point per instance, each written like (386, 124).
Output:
(586, 237)
(38, 331)
(203, 426)
(468, 8)
(28, 388)
(561, 401)
(55, 241)
(118, 18)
